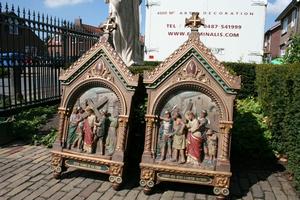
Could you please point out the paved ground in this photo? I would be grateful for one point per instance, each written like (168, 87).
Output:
(25, 174)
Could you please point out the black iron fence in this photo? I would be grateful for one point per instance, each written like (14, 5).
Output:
(33, 49)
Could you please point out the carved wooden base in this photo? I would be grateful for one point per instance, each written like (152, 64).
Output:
(152, 174)
(62, 160)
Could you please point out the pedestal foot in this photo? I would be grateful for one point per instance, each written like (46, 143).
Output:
(221, 193)
(116, 181)
(116, 186)
(147, 190)
(56, 175)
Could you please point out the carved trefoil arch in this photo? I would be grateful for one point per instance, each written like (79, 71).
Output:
(190, 82)
(97, 92)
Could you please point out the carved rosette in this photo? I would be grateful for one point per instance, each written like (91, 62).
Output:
(225, 128)
(150, 120)
(56, 165)
(122, 131)
(116, 174)
(192, 71)
(147, 178)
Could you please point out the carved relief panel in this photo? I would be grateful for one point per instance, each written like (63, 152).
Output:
(188, 128)
(94, 113)
(188, 120)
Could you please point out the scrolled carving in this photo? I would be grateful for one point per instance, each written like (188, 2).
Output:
(56, 165)
(116, 174)
(222, 181)
(147, 178)
(116, 170)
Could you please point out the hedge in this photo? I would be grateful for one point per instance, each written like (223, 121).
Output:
(279, 93)
(248, 75)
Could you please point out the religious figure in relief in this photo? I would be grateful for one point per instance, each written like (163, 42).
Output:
(101, 132)
(179, 140)
(111, 139)
(211, 145)
(188, 137)
(194, 139)
(89, 130)
(93, 123)
(126, 36)
(79, 131)
(73, 123)
(166, 136)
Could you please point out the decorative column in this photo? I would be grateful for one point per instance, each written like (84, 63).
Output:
(122, 132)
(62, 116)
(150, 121)
(224, 148)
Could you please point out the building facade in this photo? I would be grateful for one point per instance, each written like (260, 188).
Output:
(272, 42)
(290, 24)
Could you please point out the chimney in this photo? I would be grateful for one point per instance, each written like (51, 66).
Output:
(78, 22)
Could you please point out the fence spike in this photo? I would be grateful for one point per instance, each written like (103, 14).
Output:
(33, 15)
(24, 13)
(0, 7)
(51, 20)
(6, 7)
(12, 8)
(47, 19)
(28, 13)
(38, 16)
(43, 17)
(18, 11)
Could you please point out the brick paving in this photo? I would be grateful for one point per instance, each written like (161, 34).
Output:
(25, 174)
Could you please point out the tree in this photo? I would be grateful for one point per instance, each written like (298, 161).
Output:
(292, 54)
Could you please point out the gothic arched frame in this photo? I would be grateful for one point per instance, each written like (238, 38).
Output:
(84, 85)
(165, 94)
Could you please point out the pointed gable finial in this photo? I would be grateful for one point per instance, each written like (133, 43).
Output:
(194, 22)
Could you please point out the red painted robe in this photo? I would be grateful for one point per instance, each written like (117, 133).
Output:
(88, 126)
(194, 148)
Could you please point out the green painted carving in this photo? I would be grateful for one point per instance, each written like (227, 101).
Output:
(190, 54)
(90, 62)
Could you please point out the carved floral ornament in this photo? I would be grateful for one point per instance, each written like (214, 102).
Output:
(100, 70)
(192, 71)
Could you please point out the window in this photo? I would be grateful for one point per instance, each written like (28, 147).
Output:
(294, 17)
(284, 26)
(31, 50)
(13, 26)
(282, 51)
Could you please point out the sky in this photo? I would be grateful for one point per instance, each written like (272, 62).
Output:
(94, 12)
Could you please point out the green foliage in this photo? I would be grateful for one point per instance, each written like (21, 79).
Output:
(248, 75)
(292, 54)
(3, 72)
(250, 135)
(278, 89)
(27, 123)
(46, 140)
(148, 66)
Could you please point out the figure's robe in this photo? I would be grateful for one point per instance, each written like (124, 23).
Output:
(126, 36)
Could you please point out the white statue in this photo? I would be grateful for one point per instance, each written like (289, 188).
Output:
(126, 36)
